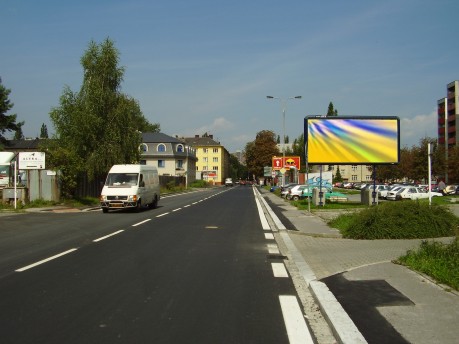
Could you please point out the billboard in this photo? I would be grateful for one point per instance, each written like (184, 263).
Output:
(352, 140)
(32, 160)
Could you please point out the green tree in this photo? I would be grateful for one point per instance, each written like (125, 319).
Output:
(338, 177)
(18, 134)
(331, 110)
(98, 126)
(44, 131)
(259, 153)
(7, 122)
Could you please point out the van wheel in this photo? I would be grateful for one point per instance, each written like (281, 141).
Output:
(139, 206)
(154, 203)
(105, 210)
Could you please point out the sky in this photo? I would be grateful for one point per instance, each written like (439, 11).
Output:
(198, 66)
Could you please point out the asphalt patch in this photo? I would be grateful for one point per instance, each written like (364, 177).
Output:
(360, 299)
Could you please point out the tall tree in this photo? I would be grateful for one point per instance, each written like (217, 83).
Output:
(331, 110)
(18, 134)
(44, 131)
(98, 126)
(259, 152)
(7, 122)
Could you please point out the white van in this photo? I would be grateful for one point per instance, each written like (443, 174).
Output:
(130, 186)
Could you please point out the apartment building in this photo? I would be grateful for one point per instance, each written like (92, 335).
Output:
(213, 159)
(448, 116)
(172, 157)
(352, 173)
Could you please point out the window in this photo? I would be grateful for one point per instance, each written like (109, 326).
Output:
(143, 162)
(143, 147)
(161, 147)
(354, 167)
(215, 150)
(205, 159)
(354, 177)
(180, 148)
(205, 150)
(215, 159)
(179, 164)
(215, 168)
(161, 163)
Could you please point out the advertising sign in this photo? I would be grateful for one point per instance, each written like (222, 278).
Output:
(32, 160)
(290, 161)
(352, 140)
(315, 181)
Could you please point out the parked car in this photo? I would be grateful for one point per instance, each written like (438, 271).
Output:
(410, 192)
(382, 194)
(451, 189)
(377, 187)
(229, 182)
(296, 191)
(285, 189)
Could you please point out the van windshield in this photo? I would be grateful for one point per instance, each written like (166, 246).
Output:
(122, 179)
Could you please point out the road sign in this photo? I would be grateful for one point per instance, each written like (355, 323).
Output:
(290, 161)
(31, 160)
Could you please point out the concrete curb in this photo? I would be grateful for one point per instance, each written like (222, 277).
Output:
(339, 321)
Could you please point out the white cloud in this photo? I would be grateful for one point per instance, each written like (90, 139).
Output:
(412, 130)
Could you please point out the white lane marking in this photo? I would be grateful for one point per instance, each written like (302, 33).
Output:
(261, 214)
(269, 236)
(279, 270)
(162, 214)
(274, 217)
(45, 260)
(186, 206)
(176, 209)
(273, 249)
(108, 236)
(137, 224)
(194, 203)
(295, 324)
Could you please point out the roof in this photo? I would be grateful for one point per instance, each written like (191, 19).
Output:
(159, 138)
(22, 144)
(201, 141)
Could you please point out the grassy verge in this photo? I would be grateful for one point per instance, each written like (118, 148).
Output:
(436, 260)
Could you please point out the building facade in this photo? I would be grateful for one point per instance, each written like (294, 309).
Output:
(172, 157)
(213, 159)
(448, 116)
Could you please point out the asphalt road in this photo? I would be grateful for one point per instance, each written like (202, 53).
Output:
(194, 270)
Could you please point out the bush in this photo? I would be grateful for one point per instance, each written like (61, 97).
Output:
(199, 184)
(398, 220)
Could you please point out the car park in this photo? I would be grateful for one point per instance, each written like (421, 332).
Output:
(382, 194)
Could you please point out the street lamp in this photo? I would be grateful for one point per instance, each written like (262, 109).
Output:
(284, 105)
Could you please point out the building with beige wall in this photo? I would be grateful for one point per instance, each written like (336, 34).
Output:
(213, 159)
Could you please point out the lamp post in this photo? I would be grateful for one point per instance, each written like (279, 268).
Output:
(283, 105)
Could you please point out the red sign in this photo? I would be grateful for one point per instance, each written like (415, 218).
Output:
(290, 161)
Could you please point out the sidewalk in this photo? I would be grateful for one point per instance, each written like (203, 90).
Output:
(388, 303)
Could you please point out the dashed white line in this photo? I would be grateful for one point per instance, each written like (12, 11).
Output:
(108, 236)
(269, 236)
(137, 224)
(45, 260)
(295, 324)
(162, 214)
(279, 270)
(176, 209)
(186, 206)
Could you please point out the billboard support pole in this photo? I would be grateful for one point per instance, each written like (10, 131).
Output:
(373, 194)
(321, 194)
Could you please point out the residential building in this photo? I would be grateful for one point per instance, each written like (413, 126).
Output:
(448, 116)
(172, 157)
(350, 173)
(213, 159)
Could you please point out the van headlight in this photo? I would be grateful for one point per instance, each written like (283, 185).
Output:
(132, 198)
(102, 198)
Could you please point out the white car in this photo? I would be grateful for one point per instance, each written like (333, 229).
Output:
(410, 192)
(228, 182)
(384, 193)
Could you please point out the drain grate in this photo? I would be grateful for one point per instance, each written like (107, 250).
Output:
(276, 256)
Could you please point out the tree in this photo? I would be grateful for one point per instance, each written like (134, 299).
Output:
(98, 126)
(259, 153)
(7, 122)
(44, 131)
(338, 177)
(18, 134)
(331, 110)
